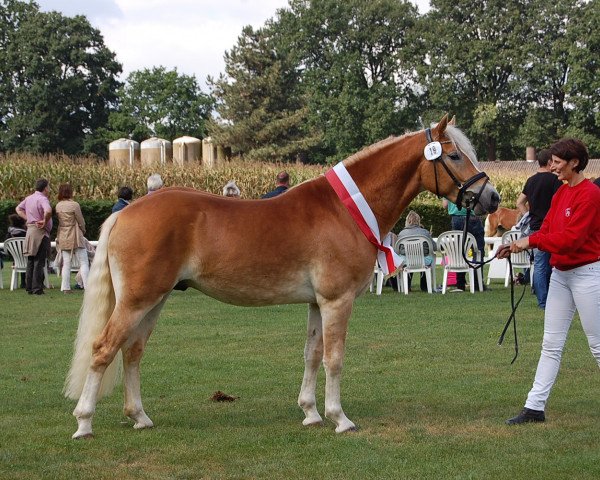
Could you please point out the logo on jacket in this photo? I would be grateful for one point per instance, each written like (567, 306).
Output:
(568, 212)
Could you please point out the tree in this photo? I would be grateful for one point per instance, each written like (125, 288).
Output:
(261, 110)
(57, 80)
(560, 69)
(357, 84)
(159, 102)
(583, 86)
(468, 54)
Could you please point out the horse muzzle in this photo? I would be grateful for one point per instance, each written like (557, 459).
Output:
(486, 200)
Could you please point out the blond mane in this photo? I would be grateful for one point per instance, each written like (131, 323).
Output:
(376, 147)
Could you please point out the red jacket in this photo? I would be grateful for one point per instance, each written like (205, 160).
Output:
(571, 230)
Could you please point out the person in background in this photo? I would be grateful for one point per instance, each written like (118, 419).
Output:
(231, 190)
(535, 199)
(283, 183)
(412, 226)
(125, 195)
(458, 217)
(154, 183)
(571, 234)
(16, 228)
(37, 213)
(69, 238)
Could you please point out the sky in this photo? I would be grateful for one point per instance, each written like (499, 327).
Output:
(190, 35)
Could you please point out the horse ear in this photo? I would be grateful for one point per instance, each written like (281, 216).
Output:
(452, 120)
(441, 126)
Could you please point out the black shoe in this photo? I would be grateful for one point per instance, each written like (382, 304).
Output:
(39, 292)
(527, 415)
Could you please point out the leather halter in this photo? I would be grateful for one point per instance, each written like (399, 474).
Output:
(462, 187)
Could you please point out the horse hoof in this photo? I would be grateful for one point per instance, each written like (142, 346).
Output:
(85, 436)
(348, 428)
(317, 423)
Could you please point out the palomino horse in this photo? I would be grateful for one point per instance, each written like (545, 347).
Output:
(300, 247)
(505, 218)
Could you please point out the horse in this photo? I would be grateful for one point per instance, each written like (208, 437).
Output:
(300, 247)
(505, 218)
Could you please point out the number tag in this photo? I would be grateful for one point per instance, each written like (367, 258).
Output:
(433, 150)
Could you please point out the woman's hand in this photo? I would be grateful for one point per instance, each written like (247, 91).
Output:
(515, 247)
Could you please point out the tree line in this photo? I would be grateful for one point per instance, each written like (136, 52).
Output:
(318, 81)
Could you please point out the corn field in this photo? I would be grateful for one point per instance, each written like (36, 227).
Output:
(94, 180)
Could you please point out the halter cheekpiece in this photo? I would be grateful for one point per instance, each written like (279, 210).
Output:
(434, 147)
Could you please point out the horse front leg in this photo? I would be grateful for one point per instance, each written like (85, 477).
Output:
(313, 356)
(335, 316)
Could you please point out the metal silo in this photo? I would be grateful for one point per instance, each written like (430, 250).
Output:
(124, 153)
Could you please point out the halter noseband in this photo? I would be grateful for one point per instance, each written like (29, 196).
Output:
(462, 187)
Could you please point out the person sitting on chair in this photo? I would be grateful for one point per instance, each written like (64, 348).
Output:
(231, 189)
(154, 183)
(412, 226)
(125, 195)
(283, 183)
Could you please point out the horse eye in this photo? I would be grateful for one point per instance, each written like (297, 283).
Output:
(454, 156)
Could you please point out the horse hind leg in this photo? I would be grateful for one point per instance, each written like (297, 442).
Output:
(121, 324)
(132, 355)
(313, 356)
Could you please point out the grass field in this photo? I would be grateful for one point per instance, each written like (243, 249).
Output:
(423, 379)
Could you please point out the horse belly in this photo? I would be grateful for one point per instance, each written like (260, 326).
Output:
(255, 290)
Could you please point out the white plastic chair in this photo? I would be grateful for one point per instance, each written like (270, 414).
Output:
(74, 264)
(414, 259)
(450, 245)
(377, 280)
(14, 246)
(518, 260)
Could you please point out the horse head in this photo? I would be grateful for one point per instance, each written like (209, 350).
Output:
(450, 169)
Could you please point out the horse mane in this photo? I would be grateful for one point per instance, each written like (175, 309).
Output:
(461, 141)
(376, 147)
(455, 134)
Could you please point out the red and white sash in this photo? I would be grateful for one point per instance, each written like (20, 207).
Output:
(348, 192)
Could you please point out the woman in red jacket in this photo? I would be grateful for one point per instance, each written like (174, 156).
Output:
(571, 234)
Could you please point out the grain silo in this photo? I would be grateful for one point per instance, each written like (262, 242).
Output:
(156, 151)
(209, 153)
(124, 153)
(187, 150)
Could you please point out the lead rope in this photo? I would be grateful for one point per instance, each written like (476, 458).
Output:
(477, 264)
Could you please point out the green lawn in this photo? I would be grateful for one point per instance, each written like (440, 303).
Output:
(423, 379)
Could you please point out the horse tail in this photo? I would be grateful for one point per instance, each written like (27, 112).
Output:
(98, 305)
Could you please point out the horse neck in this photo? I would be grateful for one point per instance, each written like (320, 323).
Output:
(389, 178)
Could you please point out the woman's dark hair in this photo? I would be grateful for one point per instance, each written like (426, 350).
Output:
(125, 193)
(570, 148)
(15, 221)
(65, 191)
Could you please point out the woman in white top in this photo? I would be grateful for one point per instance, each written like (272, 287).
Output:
(71, 228)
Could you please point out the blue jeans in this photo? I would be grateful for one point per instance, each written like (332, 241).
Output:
(541, 276)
